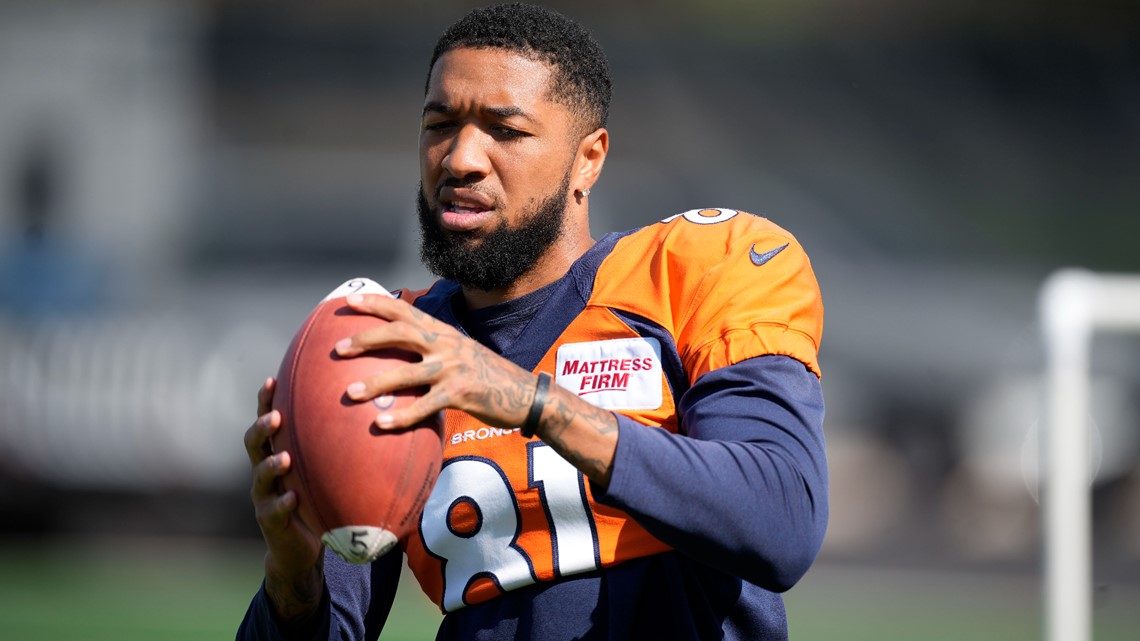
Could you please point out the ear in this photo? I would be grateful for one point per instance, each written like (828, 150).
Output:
(591, 156)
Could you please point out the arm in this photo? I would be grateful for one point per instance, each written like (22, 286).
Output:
(355, 604)
(746, 489)
(743, 490)
(308, 592)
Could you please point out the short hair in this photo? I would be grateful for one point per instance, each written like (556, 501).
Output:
(581, 73)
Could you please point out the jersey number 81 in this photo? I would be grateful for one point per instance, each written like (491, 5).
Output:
(472, 523)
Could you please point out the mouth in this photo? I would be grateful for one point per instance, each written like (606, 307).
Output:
(464, 210)
(458, 207)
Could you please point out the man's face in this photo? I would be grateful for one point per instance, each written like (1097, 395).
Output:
(495, 160)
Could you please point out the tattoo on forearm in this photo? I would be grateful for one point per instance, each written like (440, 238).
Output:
(559, 419)
(600, 420)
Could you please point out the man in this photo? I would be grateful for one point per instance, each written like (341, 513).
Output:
(672, 479)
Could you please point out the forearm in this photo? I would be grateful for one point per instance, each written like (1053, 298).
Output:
(262, 623)
(746, 489)
(760, 520)
(584, 435)
(353, 604)
(294, 597)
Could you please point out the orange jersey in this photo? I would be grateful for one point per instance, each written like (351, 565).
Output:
(630, 327)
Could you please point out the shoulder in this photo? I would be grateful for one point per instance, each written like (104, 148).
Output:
(720, 221)
(686, 254)
(702, 238)
(718, 279)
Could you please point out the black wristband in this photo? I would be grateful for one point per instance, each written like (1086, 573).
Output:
(535, 414)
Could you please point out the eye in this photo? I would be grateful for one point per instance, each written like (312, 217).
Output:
(503, 132)
(438, 125)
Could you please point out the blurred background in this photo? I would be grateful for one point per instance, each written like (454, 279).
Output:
(181, 181)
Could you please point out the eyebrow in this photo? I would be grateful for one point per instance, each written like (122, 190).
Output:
(499, 112)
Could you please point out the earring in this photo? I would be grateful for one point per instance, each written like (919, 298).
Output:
(585, 192)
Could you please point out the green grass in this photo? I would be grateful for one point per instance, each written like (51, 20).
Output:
(871, 604)
(865, 605)
(190, 590)
(153, 590)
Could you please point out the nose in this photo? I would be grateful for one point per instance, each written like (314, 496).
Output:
(466, 156)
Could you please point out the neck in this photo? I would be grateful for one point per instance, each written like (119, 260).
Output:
(551, 266)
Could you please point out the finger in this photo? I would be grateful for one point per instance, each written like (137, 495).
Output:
(381, 306)
(403, 335)
(265, 396)
(265, 476)
(427, 406)
(274, 513)
(394, 310)
(401, 377)
(257, 445)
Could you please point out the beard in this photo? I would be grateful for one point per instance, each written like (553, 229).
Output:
(498, 258)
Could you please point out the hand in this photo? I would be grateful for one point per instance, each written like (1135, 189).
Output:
(294, 579)
(462, 374)
(459, 372)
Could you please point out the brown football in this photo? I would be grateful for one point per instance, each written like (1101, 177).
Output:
(361, 488)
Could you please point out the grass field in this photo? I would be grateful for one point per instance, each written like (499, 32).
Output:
(156, 590)
(187, 591)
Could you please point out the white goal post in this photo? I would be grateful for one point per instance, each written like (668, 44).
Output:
(1074, 306)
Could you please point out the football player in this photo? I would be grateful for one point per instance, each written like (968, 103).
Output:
(633, 441)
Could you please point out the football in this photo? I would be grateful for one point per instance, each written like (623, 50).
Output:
(360, 487)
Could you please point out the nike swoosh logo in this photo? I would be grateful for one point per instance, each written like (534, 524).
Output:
(760, 259)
